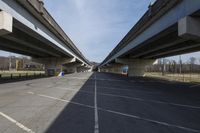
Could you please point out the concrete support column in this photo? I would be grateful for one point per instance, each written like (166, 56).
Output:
(6, 23)
(116, 68)
(136, 67)
(72, 67)
(113, 68)
(104, 69)
(82, 69)
(53, 66)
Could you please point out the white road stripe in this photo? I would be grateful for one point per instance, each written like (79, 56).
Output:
(96, 126)
(198, 85)
(63, 100)
(30, 92)
(99, 79)
(137, 99)
(16, 123)
(126, 115)
(152, 121)
(152, 101)
(112, 88)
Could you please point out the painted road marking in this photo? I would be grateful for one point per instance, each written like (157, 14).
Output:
(198, 85)
(96, 126)
(113, 88)
(136, 99)
(152, 101)
(152, 121)
(124, 114)
(98, 79)
(16, 123)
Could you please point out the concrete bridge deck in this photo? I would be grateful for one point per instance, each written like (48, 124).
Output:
(99, 102)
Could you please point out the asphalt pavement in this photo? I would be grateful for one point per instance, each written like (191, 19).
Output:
(99, 103)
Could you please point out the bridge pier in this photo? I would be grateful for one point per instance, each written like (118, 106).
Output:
(113, 68)
(72, 67)
(116, 68)
(136, 67)
(54, 66)
(83, 69)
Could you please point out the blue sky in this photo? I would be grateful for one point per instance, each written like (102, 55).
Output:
(97, 26)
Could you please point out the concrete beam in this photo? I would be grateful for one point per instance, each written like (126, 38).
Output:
(6, 23)
(14, 46)
(189, 27)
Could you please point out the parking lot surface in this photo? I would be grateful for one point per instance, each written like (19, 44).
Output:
(99, 103)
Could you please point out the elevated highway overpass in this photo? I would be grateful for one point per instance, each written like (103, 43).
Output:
(168, 28)
(27, 28)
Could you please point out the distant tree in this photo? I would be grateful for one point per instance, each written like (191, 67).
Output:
(192, 62)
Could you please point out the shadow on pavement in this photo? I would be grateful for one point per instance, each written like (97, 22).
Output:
(76, 118)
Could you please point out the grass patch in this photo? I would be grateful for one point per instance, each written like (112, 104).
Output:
(20, 73)
(189, 77)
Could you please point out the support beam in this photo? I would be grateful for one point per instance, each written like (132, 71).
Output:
(136, 67)
(189, 27)
(6, 23)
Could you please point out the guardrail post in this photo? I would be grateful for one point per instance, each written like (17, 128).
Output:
(11, 76)
(26, 75)
(20, 75)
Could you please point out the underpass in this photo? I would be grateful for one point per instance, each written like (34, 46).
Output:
(100, 103)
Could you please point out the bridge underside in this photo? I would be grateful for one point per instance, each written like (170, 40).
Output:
(164, 44)
(24, 41)
(180, 38)
(27, 28)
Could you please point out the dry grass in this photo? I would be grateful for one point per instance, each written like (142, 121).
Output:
(192, 77)
(18, 73)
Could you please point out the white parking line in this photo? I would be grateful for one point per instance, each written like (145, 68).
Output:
(98, 79)
(152, 101)
(96, 126)
(136, 99)
(16, 123)
(124, 114)
(112, 88)
(198, 85)
(152, 121)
